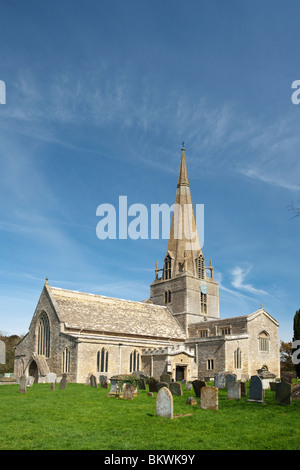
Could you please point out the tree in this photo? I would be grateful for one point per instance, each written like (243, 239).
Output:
(295, 210)
(286, 363)
(296, 337)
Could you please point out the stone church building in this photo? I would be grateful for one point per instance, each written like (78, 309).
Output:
(178, 330)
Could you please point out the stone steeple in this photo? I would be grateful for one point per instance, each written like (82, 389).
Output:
(184, 286)
(183, 246)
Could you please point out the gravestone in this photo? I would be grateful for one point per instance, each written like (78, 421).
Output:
(283, 394)
(23, 382)
(51, 377)
(161, 385)
(287, 377)
(197, 386)
(152, 384)
(103, 381)
(189, 386)
(128, 391)
(209, 398)
(142, 384)
(219, 380)
(229, 378)
(93, 381)
(243, 389)
(191, 401)
(150, 394)
(29, 381)
(256, 391)
(2, 352)
(295, 392)
(175, 389)
(63, 383)
(234, 391)
(164, 403)
(165, 378)
(52, 387)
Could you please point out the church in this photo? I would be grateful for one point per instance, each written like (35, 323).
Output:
(178, 330)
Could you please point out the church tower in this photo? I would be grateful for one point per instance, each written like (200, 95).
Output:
(191, 294)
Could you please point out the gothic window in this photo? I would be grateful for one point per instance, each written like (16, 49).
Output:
(102, 360)
(134, 361)
(203, 303)
(238, 359)
(200, 267)
(167, 267)
(43, 336)
(66, 360)
(263, 339)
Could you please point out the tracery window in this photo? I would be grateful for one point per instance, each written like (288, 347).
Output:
(200, 267)
(43, 336)
(102, 360)
(238, 359)
(167, 267)
(134, 361)
(203, 303)
(263, 340)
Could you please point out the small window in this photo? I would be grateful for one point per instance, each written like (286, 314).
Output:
(168, 297)
(226, 330)
(66, 360)
(102, 360)
(134, 364)
(203, 303)
(263, 342)
(167, 267)
(203, 333)
(210, 364)
(200, 267)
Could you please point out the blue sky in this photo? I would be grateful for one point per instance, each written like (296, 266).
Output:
(99, 96)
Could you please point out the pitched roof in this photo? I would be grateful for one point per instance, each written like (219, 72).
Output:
(113, 316)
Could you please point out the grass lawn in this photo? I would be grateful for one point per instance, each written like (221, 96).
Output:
(83, 417)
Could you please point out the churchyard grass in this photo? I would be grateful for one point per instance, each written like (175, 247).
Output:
(82, 417)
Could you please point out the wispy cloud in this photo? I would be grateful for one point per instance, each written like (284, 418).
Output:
(239, 275)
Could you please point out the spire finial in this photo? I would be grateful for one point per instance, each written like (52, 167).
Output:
(182, 148)
(47, 279)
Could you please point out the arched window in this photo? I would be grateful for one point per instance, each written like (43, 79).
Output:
(200, 267)
(66, 360)
(134, 361)
(263, 341)
(203, 303)
(167, 267)
(102, 360)
(43, 336)
(238, 359)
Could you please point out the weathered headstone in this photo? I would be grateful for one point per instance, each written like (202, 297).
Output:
(209, 398)
(52, 386)
(295, 392)
(93, 381)
(51, 377)
(188, 386)
(63, 383)
(229, 378)
(165, 378)
(23, 382)
(219, 380)
(175, 389)
(150, 394)
(152, 384)
(243, 389)
(142, 384)
(256, 390)
(164, 403)
(161, 385)
(191, 401)
(287, 377)
(128, 391)
(2, 352)
(283, 394)
(234, 391)
(29, 381)
(103, 381)
(197, 386)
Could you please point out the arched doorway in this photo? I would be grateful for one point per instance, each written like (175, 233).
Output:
(33, 371)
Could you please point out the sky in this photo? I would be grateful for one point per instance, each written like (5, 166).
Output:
(100, 96)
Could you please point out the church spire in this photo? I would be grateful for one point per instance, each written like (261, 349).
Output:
(183, 247)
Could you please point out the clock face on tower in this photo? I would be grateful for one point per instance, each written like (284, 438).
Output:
(203, 289)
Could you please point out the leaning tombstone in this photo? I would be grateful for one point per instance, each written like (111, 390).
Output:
(164, 403)
(234, 391)
(175, 389)
(256, 390)
(93, 381)
(197, 386)
(283, 394)
(209, 398)
(63, 382)
(2, 352)
(23, 382)
(161, 385)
